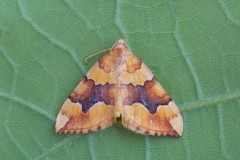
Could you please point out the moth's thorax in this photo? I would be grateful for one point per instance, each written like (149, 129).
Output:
(118, 53)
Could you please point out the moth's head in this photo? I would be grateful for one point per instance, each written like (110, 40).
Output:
(121, 42)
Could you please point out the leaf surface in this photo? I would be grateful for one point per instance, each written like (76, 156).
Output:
(192, 47)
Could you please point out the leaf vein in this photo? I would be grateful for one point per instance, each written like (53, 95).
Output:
(27, 104)
(185, 54)
(49, 37)
(210, 101)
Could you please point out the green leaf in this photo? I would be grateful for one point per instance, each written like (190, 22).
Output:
(191, 46)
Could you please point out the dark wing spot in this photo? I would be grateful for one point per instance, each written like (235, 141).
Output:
(144, 95)
(93, 94)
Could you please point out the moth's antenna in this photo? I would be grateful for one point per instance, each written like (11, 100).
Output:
(94, 54)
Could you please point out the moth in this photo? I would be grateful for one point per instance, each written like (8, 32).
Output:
(120, 85)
